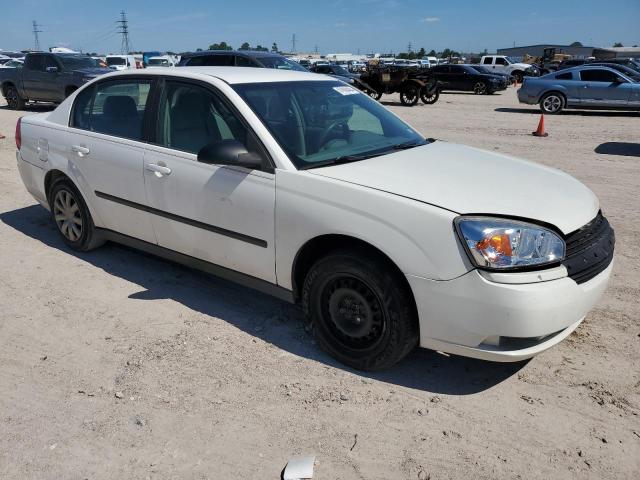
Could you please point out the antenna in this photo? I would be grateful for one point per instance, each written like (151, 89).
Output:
(293, 43)
(123, 28)
(36, 31)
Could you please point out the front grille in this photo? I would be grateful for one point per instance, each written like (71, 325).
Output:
(589, 249)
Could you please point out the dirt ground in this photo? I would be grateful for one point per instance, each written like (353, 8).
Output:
(217, 381)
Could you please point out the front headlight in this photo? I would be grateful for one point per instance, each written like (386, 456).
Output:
(503, 244)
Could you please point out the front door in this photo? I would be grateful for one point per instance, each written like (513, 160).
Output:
(221, 214)
(106, 148)
(603, 88)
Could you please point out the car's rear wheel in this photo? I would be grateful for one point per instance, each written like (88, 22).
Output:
(361, 311)
(410, 95)
(375, 95)
(429, 96)
(552, 103)
(14, 100)
(480, 88)
(72, 217)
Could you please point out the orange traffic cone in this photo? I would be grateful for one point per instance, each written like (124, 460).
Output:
(540, 131)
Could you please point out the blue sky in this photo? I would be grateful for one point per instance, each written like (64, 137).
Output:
(331, 25)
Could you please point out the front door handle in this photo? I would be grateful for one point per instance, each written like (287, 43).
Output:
(159, 170)
(80, 150)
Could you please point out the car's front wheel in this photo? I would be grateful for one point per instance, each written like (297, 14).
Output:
(72, 217)
(361, 311)
(552, 103)
(480, 88)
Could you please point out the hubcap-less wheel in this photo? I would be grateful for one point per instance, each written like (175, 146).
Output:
(67, 215)
(552, 104)
(409, 96)
(356, 318)
(480, 88)
(12, 98)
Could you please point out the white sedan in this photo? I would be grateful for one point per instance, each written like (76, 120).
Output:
(300, 186)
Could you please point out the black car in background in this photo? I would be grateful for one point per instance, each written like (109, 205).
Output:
(509, 79)
(466, 79)
(337, 71)
(233, 58)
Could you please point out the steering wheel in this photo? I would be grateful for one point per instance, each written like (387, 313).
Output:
(327, 130)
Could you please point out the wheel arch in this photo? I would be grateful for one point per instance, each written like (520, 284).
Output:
(554, 89)
(320, 246)
(50, 177)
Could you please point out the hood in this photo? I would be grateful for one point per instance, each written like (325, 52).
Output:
(92, 71)
(467, 180)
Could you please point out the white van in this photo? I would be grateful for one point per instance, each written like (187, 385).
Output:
(121, 62)
(161, 61)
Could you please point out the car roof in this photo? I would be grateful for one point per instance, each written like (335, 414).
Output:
(240, 53)
(231, 75)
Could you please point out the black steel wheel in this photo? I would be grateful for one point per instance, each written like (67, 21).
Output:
(429, 97)
(361, 311)
(410, 95)
(14, 100)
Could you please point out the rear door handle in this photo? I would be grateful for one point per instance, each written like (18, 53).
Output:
(80, 150)
(158, 169)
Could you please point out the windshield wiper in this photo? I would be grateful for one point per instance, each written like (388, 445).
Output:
(341, 160)
(407, 145)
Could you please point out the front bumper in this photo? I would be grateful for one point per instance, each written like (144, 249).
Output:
(476, 317)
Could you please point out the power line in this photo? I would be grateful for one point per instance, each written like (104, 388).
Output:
(36, 31)
(123, 28)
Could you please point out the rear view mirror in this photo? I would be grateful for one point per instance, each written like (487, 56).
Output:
(229, 152)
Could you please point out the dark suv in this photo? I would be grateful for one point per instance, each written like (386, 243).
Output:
(232, 58)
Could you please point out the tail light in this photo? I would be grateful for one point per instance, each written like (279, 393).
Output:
(19, 133)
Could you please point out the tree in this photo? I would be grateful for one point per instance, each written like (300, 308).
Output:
(245, 46)
(432, 53)
(421, 52)
(220, 46)
(260, 48)
(274, 47)
(617, 45)
(199, 49)
(576, 44)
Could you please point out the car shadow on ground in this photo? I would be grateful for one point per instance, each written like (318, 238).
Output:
(584, 113)
(625, 149)
(272, 320)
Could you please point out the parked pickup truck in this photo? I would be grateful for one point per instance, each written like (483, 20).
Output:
(504, 64)
(47, 77)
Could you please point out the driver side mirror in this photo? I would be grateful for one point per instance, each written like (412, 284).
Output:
(51, 69)
(229, 152)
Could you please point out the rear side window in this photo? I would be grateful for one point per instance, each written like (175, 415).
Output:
(564, 76)
(487, 61)
(598, 76)
(211, 61)
(35, 62)
(112, 108)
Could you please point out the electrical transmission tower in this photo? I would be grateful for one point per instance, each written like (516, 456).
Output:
(36, 31)
(293, 43)
(123, 28)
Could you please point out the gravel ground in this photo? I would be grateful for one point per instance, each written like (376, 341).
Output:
(119, 365)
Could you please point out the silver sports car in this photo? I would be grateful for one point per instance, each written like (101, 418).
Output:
(586, 86)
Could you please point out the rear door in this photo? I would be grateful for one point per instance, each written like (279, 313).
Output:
(107, 148)
(604, 88)
(32, 76)
(221, 214)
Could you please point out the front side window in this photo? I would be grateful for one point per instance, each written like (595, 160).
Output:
(598, 76)
(118, 108)
(76, 62)
(244, 62)
(211, 61)
(501, 61)
(281, 63)
(192, 117)
(114, 61)
(326, 122)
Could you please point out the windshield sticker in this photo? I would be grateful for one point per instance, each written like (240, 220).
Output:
(346, 90)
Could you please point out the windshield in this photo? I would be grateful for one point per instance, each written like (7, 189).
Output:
(481, 69)
(320, 123)
(73, 63)
(158, 61)
(280, 63)
(115, 61)
(510, 60)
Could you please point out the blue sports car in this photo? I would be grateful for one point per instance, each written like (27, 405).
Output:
(587, 86)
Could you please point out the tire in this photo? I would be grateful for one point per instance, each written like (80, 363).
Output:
(480, 88)
(552, 103)
(14, 100)
(410, 95)
(429, 98)
(360, 310)
(71, 217)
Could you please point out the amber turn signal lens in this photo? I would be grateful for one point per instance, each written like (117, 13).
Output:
(501, 244)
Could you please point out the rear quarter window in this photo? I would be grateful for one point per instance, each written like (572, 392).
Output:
(564, 76)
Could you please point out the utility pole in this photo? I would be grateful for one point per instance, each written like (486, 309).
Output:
(316, 49)
(123, 28)
(293, 43)
(409, 48)
(36, 31)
